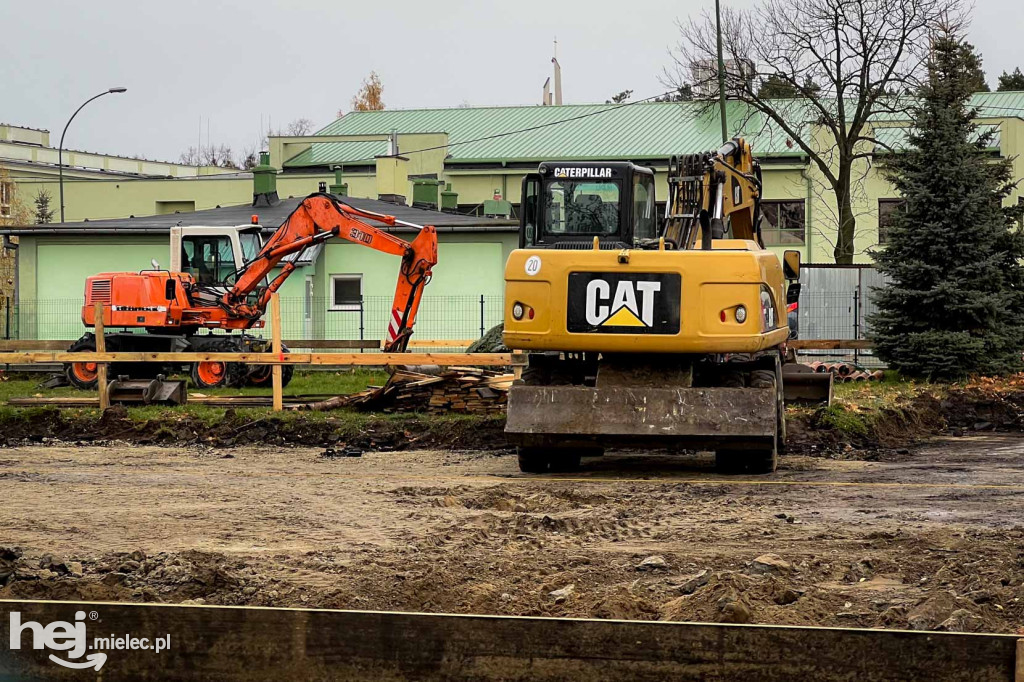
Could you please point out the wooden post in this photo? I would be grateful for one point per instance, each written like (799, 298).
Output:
(101, 347)
(275, 338)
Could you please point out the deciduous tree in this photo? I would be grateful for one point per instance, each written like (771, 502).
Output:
(369, 97)
(847, 60)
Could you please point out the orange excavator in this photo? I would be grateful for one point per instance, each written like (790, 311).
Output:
(218, 280)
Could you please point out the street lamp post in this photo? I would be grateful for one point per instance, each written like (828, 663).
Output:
(60, 149)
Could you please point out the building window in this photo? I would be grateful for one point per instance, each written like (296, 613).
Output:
(784, 223)
(886, 209)
(346, 292)
(6, 193)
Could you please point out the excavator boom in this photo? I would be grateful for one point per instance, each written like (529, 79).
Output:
(321, 217)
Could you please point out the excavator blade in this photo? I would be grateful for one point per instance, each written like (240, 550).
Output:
(803, 386)
(577, 416)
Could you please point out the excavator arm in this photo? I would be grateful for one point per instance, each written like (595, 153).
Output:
(321, 217)
(706, 190)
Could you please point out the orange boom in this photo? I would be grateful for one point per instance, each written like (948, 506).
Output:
(219, 280)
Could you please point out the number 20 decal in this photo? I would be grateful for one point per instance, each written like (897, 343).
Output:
(532, 265)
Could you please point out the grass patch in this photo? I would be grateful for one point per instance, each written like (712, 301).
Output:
(302, 383)
(846, 422)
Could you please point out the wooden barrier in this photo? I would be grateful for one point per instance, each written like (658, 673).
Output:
(276, 358)
(24, 345)
(323, 359)
(830, 344)
(235, 643)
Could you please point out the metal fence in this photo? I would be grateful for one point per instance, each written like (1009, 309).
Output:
(835, 303)
(439, 318)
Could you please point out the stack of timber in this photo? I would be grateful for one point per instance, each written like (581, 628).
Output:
(454, 389)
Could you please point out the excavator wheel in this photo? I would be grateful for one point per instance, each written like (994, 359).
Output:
(765, 458)
(82, 374)
(260, 375)
(533, 460)
(217, 374)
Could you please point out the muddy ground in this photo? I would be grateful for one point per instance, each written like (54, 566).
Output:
(929, 538)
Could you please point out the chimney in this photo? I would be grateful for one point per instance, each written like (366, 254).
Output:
(339, 188)
(392, 178)
(264, 182)
(546, 97)
(558, 82)
(449, 200)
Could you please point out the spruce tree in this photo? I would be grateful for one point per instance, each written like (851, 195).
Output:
(954, 305)
(44, 214)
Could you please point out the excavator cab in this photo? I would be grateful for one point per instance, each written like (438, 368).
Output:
(568, 205)
(213, 255)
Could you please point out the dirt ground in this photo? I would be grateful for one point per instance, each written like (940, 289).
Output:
(931, 539)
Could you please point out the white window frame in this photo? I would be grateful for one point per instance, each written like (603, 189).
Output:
(6, 193)
(346, 306)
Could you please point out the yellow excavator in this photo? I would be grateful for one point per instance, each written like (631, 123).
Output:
(648, 333)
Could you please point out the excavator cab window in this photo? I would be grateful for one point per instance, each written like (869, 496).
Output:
(251, 245)
(208, 258)
(645, 214)
(528, 219)
(581, 208)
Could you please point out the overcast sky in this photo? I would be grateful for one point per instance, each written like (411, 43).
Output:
(237, 63)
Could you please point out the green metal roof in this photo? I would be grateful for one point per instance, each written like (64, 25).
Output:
(653, 130)
(1008, 104)
(896, 137)
(583, 131)
(326, 153)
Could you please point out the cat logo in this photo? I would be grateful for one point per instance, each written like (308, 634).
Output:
(620, 303)
(632, 304)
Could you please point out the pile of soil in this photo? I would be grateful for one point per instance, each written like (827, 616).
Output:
(984, 405)
(482, 432)
(899, 582)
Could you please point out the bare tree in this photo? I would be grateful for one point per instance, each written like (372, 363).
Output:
(249, 157)
(300, 126)
(847, 61)
(213, 155)
(191, 157)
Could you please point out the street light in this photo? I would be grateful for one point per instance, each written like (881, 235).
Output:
(60, 149)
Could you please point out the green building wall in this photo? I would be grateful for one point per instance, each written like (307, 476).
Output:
(53, 270)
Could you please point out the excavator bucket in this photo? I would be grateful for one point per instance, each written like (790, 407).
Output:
(580, 416)
(146, 391)
(803, 386)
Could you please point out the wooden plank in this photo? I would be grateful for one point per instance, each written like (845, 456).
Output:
(101, 347)
(250, 358)
(324, 359)
(440, 343)
(830, 344)
(236, 643)
(275, 376)
(328, 344)
(23, 345)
